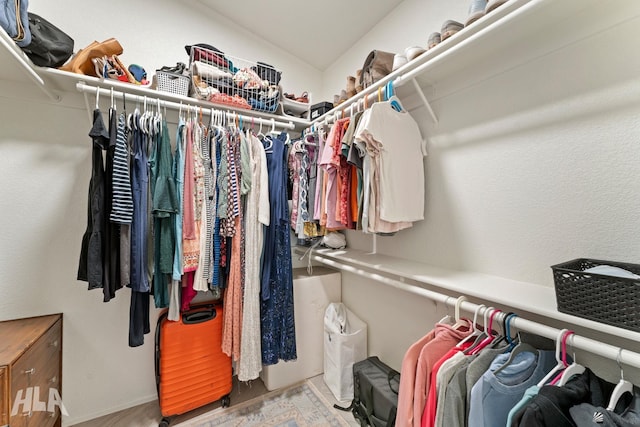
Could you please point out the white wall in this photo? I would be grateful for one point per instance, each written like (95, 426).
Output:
(45, 157)
(529, 168)
(533, 167)
(409, 24)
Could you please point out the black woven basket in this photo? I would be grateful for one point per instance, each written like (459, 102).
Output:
(598, 297)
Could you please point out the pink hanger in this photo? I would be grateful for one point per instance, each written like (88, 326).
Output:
(489, 332)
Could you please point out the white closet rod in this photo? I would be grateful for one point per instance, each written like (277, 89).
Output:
(608, 351)
(82, 87)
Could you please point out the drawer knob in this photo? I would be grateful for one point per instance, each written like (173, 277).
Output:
(54, 343)
(54, 379)
(29, 371)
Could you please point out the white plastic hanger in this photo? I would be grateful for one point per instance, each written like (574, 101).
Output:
(447, 318)
(392, 98)
(460, 322)
(571, 370)
(477, 333)
(622, 387)
(560, 365)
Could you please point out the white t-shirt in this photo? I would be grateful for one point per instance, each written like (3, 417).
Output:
(401, 153)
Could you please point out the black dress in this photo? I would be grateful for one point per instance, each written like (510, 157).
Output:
(90, 268)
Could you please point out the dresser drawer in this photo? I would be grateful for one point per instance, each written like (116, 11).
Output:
(4, 396)
(39, 366)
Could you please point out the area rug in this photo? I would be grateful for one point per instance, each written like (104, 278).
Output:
(299, 405)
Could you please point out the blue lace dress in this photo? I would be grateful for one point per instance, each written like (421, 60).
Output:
(276, 311)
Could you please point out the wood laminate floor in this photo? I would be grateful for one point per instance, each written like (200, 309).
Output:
(148, 414)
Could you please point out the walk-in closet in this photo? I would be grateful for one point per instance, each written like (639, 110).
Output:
(440, 168)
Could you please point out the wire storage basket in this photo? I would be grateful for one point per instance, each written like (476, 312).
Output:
(225, 79)
(602, 298)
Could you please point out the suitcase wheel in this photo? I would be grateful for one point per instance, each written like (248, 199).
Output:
(226, 401)
(165, 422)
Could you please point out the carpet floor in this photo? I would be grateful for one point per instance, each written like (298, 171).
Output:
(299, 405)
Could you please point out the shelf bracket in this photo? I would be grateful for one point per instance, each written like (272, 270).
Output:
(20, 58)
(424, 100)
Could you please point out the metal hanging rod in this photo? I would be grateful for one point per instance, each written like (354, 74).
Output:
(626, 357)
(247, 118)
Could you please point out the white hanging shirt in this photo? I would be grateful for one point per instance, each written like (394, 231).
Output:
(401, 150)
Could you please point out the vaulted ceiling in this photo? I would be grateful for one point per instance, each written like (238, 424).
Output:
(318, 32)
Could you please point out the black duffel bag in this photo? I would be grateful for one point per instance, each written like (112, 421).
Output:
(50, 46)
(375, 393)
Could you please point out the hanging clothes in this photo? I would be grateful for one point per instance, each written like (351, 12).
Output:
(552, 405)
(217, 282)
(257, 217)
(277, 316)
(178, 176)
(90, 268)
(165, 205)
(139, 185)
(122, 206)
(140, 288)
(111, 261)
(232, 325)
(445, 338)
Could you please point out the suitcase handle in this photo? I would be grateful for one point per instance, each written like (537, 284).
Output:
(198, 316)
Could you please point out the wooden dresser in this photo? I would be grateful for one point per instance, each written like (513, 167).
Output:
(30, 365)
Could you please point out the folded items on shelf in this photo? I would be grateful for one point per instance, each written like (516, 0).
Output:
(207, 72)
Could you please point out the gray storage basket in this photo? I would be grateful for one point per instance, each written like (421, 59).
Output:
(598, 297)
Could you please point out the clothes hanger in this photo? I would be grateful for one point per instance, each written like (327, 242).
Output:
(477, 333)
(560, 365)
(97, 98)
(269, 138)
(488, 330)
(447, 318)
(113, 104)
(571, 370)
(500, 338)
(621, 388)
(460, 322)
(506, 327)
(555, 379)
(393, 99)
(520, 347)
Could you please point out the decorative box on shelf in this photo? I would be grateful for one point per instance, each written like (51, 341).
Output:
(612, 298)
(319, 109)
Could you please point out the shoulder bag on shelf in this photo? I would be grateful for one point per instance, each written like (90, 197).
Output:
(50, 46)
(377, 65)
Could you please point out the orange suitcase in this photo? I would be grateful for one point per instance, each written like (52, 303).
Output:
(191, 369)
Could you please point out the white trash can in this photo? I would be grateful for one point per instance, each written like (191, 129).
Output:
(345, 342)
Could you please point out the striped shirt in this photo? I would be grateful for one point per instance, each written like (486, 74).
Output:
(122, 204)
